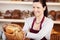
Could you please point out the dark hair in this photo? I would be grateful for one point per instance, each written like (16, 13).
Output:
(43, 2)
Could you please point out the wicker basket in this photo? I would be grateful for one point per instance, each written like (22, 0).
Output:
(55, 37)
(18, 35)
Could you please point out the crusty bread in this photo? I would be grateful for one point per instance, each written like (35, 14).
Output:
(14, 32)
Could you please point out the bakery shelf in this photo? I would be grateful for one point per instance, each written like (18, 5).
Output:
(21, 20)
(14, 2)
(20, 2)
(53, 3)
(57, 22)
(12, 20)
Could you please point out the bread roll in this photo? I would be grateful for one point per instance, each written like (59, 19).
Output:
(16, 14)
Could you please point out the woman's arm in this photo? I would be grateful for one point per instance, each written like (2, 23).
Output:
(43, 32)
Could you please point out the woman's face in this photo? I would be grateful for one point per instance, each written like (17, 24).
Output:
(38, 9)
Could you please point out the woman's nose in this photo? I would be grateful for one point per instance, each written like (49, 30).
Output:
(35, 9)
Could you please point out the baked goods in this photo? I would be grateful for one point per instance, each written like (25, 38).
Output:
(25, 14)
(1, 15)
(7, 14)
(58, 16)
(16, 14)
(52, 14)
(32, 14)
(52, 0)
(13, 32)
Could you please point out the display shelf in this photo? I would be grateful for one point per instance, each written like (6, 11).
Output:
(12, 20)
(57, 22)
(53, 3)
(21, 20)
(14, 2)
(20, 2)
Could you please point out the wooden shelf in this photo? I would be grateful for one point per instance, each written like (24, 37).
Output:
(30, 3)
(12, 20)
(21, 20)
(53, 4)
(57, 22)
(14, 2)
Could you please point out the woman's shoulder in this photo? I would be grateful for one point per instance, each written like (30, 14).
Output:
(48, 21)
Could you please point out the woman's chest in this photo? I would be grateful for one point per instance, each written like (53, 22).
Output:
(36, 26)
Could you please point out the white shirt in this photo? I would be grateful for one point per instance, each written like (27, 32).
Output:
(44, 32)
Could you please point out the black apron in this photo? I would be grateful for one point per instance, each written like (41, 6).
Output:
(36, 31)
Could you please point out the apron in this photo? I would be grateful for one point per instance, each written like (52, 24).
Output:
(36, 31)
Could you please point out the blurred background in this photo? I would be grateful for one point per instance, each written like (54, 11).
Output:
(15, 11)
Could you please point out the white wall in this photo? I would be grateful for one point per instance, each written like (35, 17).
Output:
(57, 8)
(4, 7)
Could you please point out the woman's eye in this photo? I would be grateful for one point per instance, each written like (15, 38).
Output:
(33, 7)
(38, 7)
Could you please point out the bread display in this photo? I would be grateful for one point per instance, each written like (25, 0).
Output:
(52, 0)
(58, 16)
(32, 14)
(16, 14)
(1, 15)
(13, 32)
(7, 14)
(52, 14)
(25, 14)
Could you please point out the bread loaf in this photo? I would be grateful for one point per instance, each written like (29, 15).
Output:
(14, 32)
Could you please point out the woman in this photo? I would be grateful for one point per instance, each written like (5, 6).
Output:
(38, 27)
